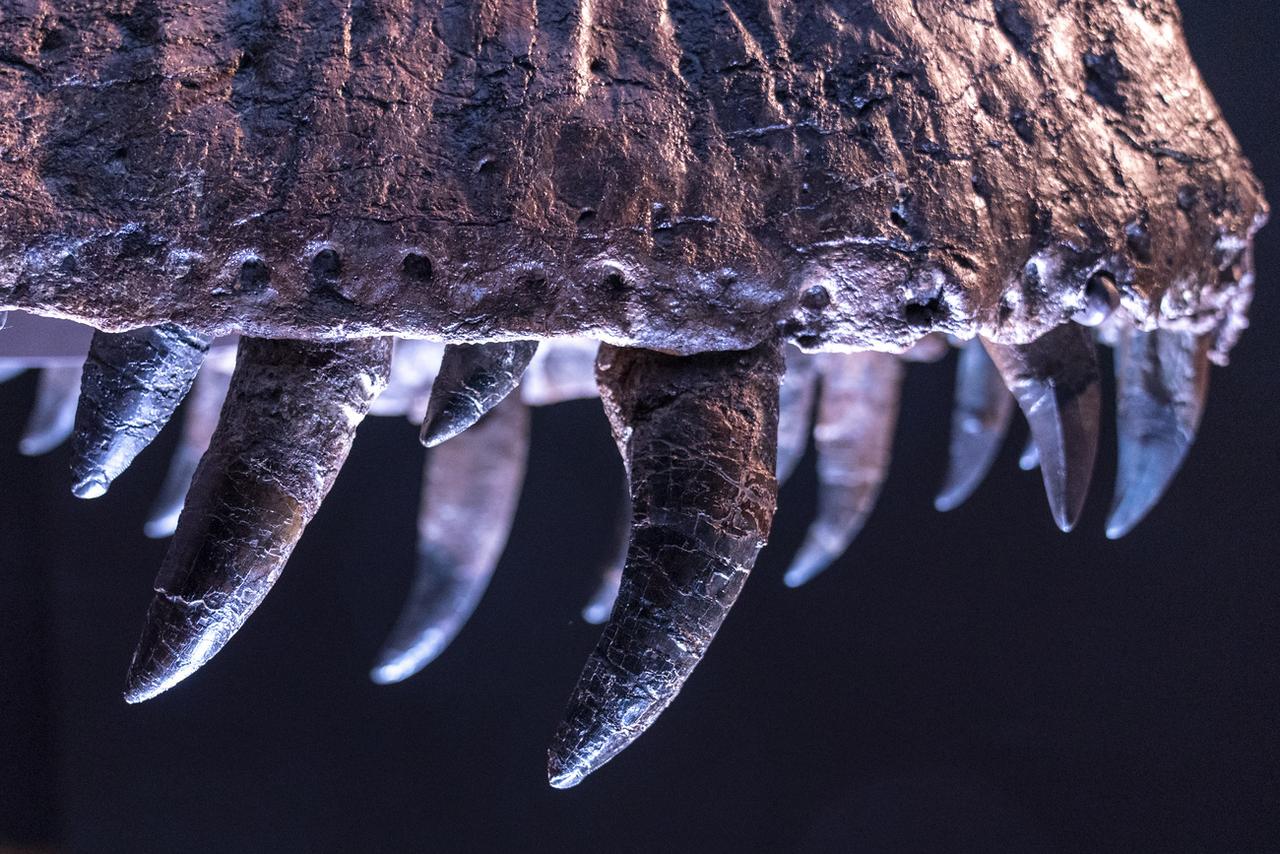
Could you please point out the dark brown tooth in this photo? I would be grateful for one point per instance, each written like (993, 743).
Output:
(795, 410)
(857, 415)
(601, 604)
(699, 436)
(470, 490)
(54, 413)
(1162, 380)
(473, 379)
(979, 421)
(133, 382)
(1055, 380)
(198, 423)
(286, 428)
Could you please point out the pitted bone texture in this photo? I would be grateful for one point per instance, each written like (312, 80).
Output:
(682, 176)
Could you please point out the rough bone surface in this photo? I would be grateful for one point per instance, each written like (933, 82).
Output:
(681, 176)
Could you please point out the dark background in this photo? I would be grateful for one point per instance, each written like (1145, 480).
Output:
(970, 681)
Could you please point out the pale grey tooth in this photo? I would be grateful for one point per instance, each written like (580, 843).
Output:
(133, 382)
(286, 428)
(1029, 459)
(983, 407)
(561, 370)
(699, 436)
(1055, 380)
(795, 410)
(600, 606)
(9, 370)
(198, 423)
(857, 414)
(1162, 380)
(470, 490)
(54, 413)
(473, 379)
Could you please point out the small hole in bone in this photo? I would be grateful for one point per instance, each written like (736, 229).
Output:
(599, 66)
(326, 265)
(255, 276)
(924, 314)
(1100, 299)
(816, 298)
(586, 215)
(54, 39)
(614, 280)
(417, 266)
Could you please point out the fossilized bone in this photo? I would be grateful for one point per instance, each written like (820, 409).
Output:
(691, 183)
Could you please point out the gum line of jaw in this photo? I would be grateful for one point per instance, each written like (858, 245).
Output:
(463, 396)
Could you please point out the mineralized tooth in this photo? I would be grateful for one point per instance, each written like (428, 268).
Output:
(133, 381)
(699, 436)
(473, 379)
(601, 603)
(54, 412)
(795, 410)
(198, 424)
(1029, 459)
(1162, 379)
(978, 424)
(857, 414)
(286, 428)
(471, 487)
(1056, 382)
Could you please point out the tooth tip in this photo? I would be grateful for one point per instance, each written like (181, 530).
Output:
(564, 778)
(948, 500)
(441, 427)
(92, 485)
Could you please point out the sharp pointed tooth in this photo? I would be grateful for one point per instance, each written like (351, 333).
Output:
(857, 414)
(286, 429)
(133, 381)
(982, 410)
(55, 410)
(473, 379)
(1162, 379)
(198, 424)
(601, 604)
(699, 436)
(1055, 380)
(795, 411)
(1029, 459)
(470, 490)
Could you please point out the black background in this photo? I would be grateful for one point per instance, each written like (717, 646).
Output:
(969, 681)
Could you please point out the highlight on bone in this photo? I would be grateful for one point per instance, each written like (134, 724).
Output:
(473, 379)
(287, 425)
(133, 382)
(857, 416)
(1055, 380)
(1162, 380)
(54, 414)
(983, 407)
(199, 421)
(470, 489)
(699, 437)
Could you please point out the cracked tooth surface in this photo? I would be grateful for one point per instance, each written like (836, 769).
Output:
(1055, 380)
(286, 428)
(1162, 380)
(473, 379)
(857, 414)
(979, 421)
(470, 490)
(54, 413)
(699, 437)
(133, 382)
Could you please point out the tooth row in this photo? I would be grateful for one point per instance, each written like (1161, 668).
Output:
(705, 440)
